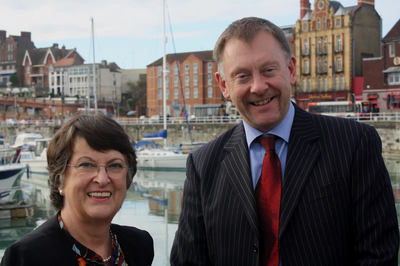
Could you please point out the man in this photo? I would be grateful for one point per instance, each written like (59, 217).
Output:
(335, 200)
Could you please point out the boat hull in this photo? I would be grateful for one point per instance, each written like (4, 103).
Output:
(162, 163)
(10, 180)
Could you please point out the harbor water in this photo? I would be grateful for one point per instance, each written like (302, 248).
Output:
(152, 203)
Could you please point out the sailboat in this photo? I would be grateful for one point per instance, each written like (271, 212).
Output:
(151, 156)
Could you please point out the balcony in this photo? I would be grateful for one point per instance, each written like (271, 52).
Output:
(7, 71)
(306, 72)
(338, 50)
(305, 52)
(321, 52)
(339, 70)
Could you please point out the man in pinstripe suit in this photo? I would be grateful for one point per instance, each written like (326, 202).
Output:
(337, 205)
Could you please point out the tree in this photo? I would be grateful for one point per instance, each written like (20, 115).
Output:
(137, 90)
(129, 103)
(14, 80)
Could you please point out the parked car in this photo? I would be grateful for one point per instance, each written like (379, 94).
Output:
(131, 113)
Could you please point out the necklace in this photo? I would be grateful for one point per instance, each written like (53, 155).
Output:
(112, 237)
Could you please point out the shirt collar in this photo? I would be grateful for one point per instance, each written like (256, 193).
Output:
(281, 130)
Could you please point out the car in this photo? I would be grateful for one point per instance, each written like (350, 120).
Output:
(131, 113)
(12, 122)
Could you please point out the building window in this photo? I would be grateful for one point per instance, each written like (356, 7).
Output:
(159, 69)
(336, 83)
(342, 83)
(306, 46)
(186, 80)
(305, 26)
(324, 23)
(209, 67)
(159, 82)
(195, 68)
(167, 82)
(10, 47)
(318, 24)
(339, 64)
(28, 70)
(304, 84)
(309, 84)
(160, 94)
(209, 79)
(325, 84)
(210, 92)
(176, 94)
(325, 65)
(187, 93)
(337, 22)
(319, 83)
(187, 68)
(160, 110)
(168, 109)
(10, 57)
(339, 43)
(391, 50)
(319, 65)
(175, 69)
(176, 82)
(195, 93)
(306, 71)
(324, 45)
(195, 81)
(394, 78)
(167, 94)
(319, 45)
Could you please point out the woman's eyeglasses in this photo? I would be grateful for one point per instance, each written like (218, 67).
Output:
(114, 170)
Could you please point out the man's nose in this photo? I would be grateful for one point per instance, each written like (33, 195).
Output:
(259, 84)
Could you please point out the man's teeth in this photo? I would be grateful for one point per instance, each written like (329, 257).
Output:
(262, 102)
(99, 194)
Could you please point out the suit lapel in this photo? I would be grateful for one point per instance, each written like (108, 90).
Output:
(237, 167)
(301, 158)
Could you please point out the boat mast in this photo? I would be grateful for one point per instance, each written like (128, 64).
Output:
(94, 74)
(164, 73)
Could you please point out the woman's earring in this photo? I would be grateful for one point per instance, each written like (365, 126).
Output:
(61, 192)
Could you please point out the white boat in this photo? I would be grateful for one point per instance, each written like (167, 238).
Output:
(151, 156)
(11, 172)
(36, 162)
(26, 140)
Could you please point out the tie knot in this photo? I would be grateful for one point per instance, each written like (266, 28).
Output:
(268, 142)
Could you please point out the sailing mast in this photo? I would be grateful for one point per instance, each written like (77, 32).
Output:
(164, 73)
(94, 74)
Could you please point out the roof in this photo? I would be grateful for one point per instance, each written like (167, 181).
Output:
(170, 58)
(394, 32)
(307, 16)
(392, 69)
(64, 62)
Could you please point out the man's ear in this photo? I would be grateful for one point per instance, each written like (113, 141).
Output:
(222, 85)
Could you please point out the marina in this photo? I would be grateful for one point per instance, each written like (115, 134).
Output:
(152, 203)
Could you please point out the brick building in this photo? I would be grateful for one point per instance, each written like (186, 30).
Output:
(331, 42)
(382, 74)
(38, 63)
(12, 50)
(191, 79)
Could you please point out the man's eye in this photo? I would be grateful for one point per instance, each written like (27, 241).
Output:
(86, 165)
(115, 166)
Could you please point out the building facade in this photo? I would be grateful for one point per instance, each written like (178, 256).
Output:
(331, 42)
(12, 49)
(189, 82)
(382, 74)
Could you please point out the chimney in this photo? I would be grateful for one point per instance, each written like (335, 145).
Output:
(55, 45)
(104, 63)
(63, 52)
(26, 36)
(368, 2)
(305, 7)
(2, 36)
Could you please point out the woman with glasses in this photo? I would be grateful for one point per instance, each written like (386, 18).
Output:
(91, 164)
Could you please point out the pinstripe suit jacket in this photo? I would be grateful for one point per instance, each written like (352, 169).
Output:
(337, 203)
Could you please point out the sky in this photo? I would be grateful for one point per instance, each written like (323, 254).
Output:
(129, 32)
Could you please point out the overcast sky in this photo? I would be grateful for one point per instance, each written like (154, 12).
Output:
(129, 32)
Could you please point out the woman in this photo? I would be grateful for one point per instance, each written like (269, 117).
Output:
(91, 165)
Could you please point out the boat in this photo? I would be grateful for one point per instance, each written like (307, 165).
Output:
(11, 172)
(36, 162)
(26, 140)
(152, 156)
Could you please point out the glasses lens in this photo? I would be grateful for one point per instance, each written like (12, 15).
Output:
(87, 167)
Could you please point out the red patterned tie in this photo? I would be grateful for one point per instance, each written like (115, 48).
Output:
(268, 194)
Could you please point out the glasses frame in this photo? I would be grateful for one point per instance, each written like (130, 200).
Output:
(98, 167)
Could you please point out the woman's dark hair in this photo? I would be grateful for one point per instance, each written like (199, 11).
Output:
(102, 133)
